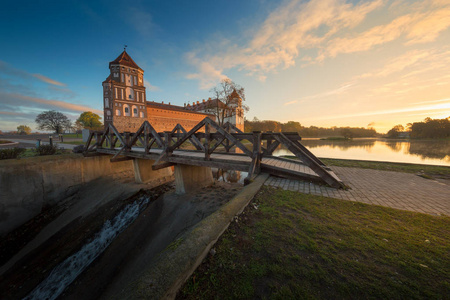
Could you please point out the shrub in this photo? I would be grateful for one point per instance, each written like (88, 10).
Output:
(46, 150)
(11, 153)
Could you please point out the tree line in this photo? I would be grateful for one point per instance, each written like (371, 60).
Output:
(428, 129)
(58, 122)
(311, 131)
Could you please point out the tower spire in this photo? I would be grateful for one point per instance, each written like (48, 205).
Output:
(125, 47)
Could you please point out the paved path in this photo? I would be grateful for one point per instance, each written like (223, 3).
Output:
(25, 143)
(393, 189)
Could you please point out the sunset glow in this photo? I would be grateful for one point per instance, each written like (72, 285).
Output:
(319, 62)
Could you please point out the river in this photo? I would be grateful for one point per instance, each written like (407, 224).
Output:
(430, 152)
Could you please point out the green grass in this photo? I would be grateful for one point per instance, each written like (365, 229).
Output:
(73, 142)
(387, 166)
(298, 246)
(73, 135)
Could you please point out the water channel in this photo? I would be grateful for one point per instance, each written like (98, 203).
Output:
(430, 152)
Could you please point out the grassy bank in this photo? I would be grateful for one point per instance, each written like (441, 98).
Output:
(288, 245)
(386, 166)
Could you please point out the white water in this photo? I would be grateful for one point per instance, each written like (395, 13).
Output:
(66, 272)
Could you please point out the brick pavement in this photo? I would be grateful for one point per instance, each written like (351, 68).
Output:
(393, 189)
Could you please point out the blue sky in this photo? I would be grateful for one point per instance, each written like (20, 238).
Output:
(320, 62)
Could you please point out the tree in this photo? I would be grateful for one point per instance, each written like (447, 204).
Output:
(23, 129)
(394, 132)
(89, 120)
(228, 101)
(53, 121)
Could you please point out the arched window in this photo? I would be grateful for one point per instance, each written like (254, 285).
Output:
(108, 112)
(135, 111)
(126, 110)
(118, 112)
(141, 114)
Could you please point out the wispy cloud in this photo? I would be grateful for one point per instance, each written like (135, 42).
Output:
(16, 101)
(424, 108)
(290, 102)
(336, 91)
(48, 80)
(330, 27)
(277, 43)
(151, 87)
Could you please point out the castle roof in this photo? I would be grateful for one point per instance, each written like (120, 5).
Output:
(172, 107)
(125, 60)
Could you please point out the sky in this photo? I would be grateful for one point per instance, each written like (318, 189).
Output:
(325, 63)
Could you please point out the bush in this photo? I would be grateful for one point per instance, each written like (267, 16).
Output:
(11, 153)
(46, 150)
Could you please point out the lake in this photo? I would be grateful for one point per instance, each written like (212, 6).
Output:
(428, 152)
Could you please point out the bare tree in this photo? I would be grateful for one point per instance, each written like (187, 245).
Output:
(53, 121)
(227, 101)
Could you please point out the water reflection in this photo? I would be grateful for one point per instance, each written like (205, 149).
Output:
(415, 151)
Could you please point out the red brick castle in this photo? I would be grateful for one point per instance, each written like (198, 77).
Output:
(125, 103)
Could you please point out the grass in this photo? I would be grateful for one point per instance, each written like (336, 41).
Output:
(298, 246)
(386, 166)
(80, 142)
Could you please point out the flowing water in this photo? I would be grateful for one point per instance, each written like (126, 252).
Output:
(68, 270)
(431, 152)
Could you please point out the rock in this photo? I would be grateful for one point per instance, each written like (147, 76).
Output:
(212, 251)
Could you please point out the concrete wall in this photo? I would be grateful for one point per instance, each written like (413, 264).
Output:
(27, 185)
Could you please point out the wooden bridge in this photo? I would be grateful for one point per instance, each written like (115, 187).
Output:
(207, 144)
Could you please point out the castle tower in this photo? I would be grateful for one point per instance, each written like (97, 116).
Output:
(124, 100)
(237, 116)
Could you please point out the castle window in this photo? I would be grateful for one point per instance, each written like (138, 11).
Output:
(122, 78)
(118, 112)
(126, 110)
(141, 114)
(108, 112)
(135, 111)
(106, 102)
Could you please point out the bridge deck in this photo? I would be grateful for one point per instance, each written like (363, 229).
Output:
(232, 161)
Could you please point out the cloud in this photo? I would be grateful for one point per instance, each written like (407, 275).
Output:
(400, 63)
(10, 113)
(16, 101)
(337, 91)
(422, 24)
(150, 87)
(324, 27)
(278, 41)
(290, 102)
(424, 108)
(141, 20)
(48, 80)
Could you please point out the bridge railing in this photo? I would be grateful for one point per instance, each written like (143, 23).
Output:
(206, 137)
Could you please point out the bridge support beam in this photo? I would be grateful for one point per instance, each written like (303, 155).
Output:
(190, 178)
(144, 173)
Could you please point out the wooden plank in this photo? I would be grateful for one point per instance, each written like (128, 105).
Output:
(309, 162)
(229, 136)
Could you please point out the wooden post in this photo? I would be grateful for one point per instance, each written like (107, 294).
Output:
(207, 139)
(257, 150)
(255, 166)
(98, 138)
(167, 141)
(269, 141)
(127, 141)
